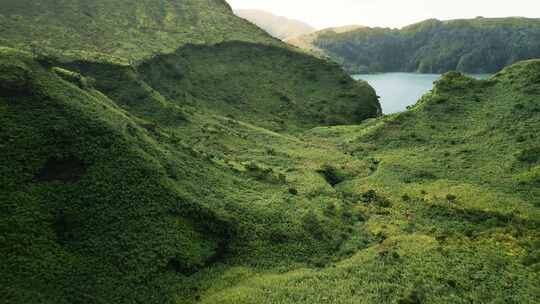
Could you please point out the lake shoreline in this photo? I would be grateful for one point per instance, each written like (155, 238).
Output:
(399, 90)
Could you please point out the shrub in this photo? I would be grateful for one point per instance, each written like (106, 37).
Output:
(331, 175)
(521, 138)
(371, 196)
(293, 191)
(451, 198)
(263, 173)
(410, 297)
(271, 151)
(330, 209)
(531, 155)
(311, 223)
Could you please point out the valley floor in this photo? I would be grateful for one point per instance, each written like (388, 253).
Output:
(438, 204)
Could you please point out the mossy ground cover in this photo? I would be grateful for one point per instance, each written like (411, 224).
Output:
(109, 185)
(179, 178)
(442, 197)
(110, 199)
(123, 30)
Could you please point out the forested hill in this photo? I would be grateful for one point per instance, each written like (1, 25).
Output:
(480, 45)
(121, 28)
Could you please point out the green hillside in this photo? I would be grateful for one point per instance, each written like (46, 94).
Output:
(90, 209)
(112, 192)
(239, 171)
(122, 28)
(444, 197)
(196, 53)
(125, 165)
(480, 45)
(104, 204)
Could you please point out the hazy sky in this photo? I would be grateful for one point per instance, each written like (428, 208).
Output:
(388, 13)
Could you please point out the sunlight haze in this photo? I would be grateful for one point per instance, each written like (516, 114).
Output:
(388, 13)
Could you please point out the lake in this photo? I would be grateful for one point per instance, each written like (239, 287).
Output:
(400, 90)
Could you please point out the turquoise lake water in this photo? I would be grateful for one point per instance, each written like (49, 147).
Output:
(399, 90)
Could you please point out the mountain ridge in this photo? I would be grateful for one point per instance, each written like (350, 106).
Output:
(119, 29)
(480, 45)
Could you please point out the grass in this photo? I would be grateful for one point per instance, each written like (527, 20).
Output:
(171, 180)
(434, 214)
(108, 170)
(121, 31)
(112, 201)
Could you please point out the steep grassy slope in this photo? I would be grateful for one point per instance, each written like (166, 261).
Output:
(195, 52)
(277, 26)
(446, 196)
(122, 28)
(270, 86)
(111, 190)
(480, 45)
(91, 211)
(108, 201)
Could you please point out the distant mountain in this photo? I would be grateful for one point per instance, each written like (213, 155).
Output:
(480, 45)
(277, 26)
(306, 42)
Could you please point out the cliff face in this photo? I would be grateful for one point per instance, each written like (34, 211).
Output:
(480, 45)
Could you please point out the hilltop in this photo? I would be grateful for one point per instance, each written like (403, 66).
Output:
(199, 52)
(277, 26)
(481, 45)
(121, 29)
(306, 42)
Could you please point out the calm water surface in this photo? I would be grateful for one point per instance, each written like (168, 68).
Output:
(399, 90)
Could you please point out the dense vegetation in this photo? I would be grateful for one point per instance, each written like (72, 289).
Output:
(124, 30)
(279, 27)
(441, 203)
(114, 186)
(114, 192)
(480, 45)
(197, 176)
